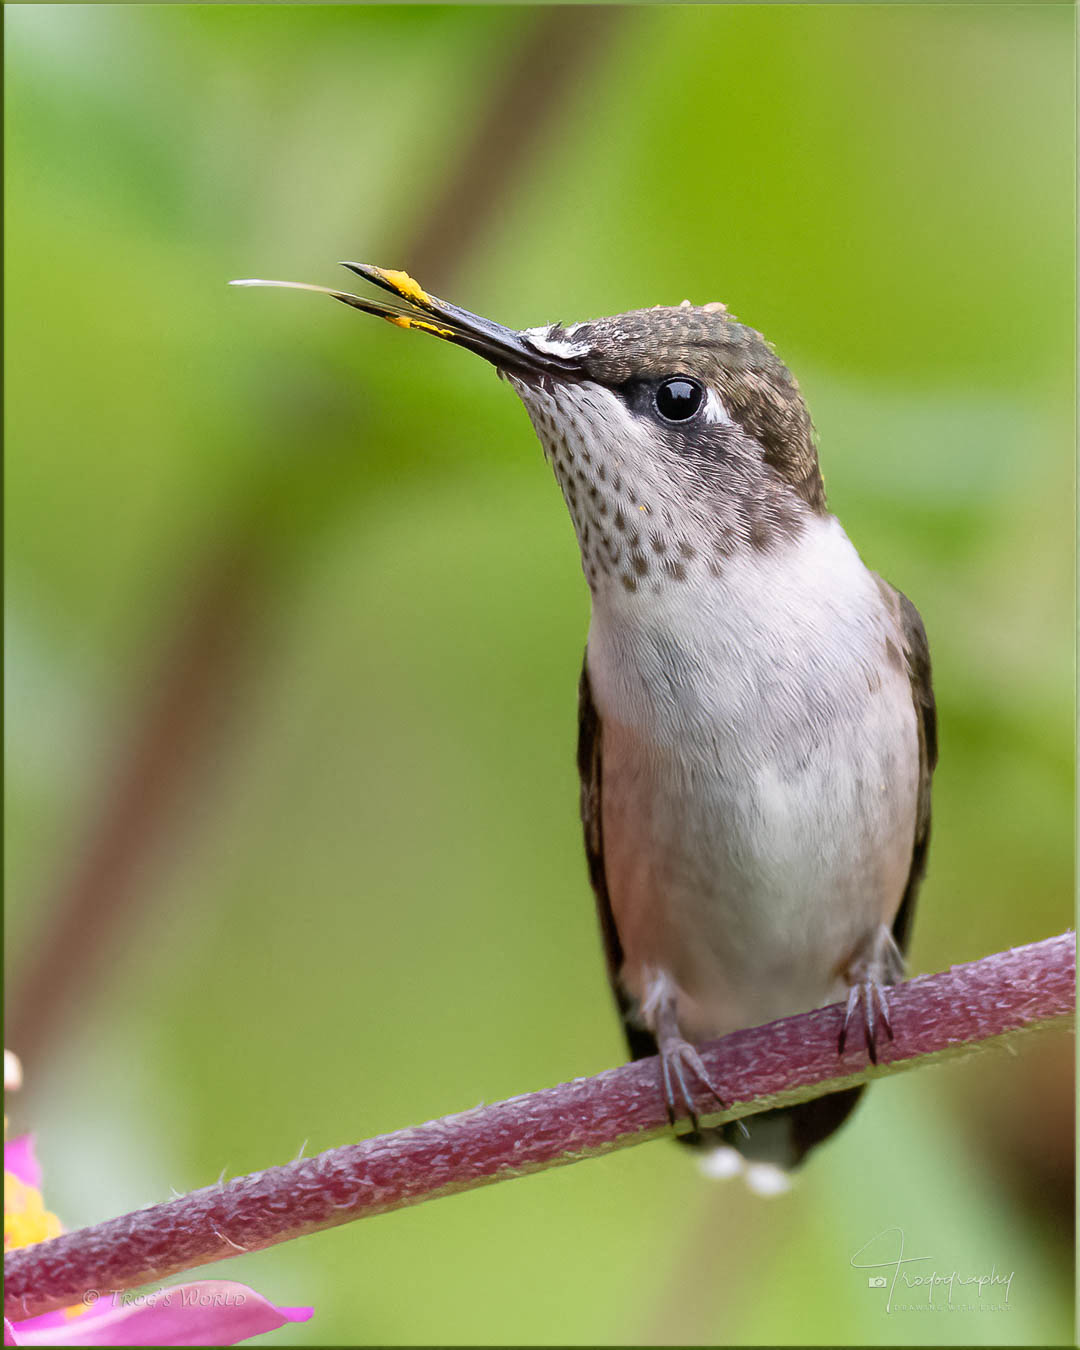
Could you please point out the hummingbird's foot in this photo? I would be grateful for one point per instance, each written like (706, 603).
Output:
(870, 997)
(878, 965)
(677, 1056)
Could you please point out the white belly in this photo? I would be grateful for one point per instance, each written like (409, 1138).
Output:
(760, 772)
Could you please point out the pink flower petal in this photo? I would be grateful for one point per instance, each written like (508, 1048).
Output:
(19, 1159)
(43, 1321)
(209, 1312)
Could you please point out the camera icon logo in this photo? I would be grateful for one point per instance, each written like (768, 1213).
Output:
(877, 1282)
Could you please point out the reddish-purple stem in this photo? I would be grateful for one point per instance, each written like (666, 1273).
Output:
(956, 1012)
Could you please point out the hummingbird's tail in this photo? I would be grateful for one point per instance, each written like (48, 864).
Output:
(783, 1136)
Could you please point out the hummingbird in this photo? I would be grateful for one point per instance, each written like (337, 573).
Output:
(757, 729)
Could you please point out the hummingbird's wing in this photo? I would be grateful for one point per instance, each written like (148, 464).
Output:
(590, 740)
(917, 656)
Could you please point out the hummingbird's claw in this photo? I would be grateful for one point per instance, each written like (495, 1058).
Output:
(676, 1057)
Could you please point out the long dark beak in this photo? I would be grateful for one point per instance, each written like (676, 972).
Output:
(413, 307)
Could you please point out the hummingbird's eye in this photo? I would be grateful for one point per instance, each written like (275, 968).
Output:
(679, 398)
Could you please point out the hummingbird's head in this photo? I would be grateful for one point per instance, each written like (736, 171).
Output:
(678, 437)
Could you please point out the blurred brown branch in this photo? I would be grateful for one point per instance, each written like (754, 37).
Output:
(958, 1012)
(168, 754)
(536, 86)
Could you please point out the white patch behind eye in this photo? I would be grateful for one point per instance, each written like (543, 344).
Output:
(714, 410)
(541, 339)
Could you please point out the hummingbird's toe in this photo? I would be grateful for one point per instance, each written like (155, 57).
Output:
(881, 998)
(849, 1013)
(867, 998)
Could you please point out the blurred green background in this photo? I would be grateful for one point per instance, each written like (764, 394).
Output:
(294, 614)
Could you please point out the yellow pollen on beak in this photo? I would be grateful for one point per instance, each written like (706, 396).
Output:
(406, 321)
(405, 285)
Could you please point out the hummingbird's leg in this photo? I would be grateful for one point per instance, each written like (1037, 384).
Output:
(877, 964)
(677, 1056)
